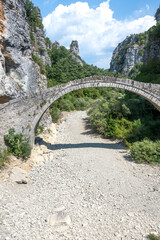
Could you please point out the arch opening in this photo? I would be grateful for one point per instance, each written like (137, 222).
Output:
(144, 90)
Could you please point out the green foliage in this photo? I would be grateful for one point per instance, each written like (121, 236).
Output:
(146, 151)
(66, 105)
(142, 38)
(108, 116)
(154, 32)
(55, 113)
(32, 38)
(136, 70)
(39, 61)
(129, 118)
(141, 50)
(32, 15)
(48, 41)
(3, 157)
(150, 73)
(64, 68)
(39, 130)
(153, 237)
(82, 103)
(17, 144)
(41, 50)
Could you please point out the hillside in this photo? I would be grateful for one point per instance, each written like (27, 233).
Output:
(139, 53)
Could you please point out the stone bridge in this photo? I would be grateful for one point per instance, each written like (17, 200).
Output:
(24, 114)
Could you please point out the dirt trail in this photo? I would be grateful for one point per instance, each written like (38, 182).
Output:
(104, 194)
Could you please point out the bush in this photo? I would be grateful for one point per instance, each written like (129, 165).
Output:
(55, 114)
(32, 38)
(146, 151)
(153, 237)
(150, 72)
(66, 105)
(39, 130)
(3, 157)
(17, 144)
(32, 15)
(82, 103)
(155, 31)
(41, 50)
(40, 63)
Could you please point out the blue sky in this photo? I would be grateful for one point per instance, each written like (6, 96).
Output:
(97, 25)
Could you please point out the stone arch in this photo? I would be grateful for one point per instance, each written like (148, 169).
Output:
(148, 91)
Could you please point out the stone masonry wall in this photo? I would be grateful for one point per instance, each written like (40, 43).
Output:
(24, 113)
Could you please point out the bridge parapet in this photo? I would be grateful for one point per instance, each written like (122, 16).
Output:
(106, 81)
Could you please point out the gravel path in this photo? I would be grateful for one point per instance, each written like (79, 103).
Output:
(87, 189)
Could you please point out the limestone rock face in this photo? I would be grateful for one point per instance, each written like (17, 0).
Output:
(157, 15)
(18, 71)
(153, 50)
(136, 49)
(74, 48)
(126, 56)
(56, 45)
(19, 75)
(39, 45)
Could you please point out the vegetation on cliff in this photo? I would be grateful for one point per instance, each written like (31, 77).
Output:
(64, 69)
(32, 15)
(149, 73)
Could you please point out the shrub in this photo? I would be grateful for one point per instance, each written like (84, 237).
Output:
(17, 144)
(146, 151)
(39, 130)
(41, 50)
(32, 15)
(32, 38)
(66, 105)
(55, 114)
(153, 237)
(155, 31)
(81, 103)
(122, 128)
(40, 63)
(3, 157)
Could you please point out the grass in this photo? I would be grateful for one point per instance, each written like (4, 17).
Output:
(153, 237)
(3, 157)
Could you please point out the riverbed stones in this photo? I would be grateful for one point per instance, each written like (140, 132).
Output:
(113, 201)
(60, 217)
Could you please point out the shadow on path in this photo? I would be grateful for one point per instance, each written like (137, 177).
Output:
(50, 146)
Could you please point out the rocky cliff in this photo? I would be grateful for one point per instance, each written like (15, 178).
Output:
(74, 49)
(127, 54)
(19, 74)
(137, 49)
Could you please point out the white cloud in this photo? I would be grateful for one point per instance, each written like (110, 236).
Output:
(96, 30)
(147, 7)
